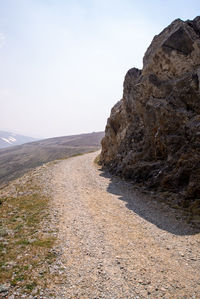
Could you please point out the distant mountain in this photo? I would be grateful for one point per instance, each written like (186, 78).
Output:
(17, 160)
(9, 139)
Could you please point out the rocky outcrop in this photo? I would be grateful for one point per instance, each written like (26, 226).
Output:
(153, 134)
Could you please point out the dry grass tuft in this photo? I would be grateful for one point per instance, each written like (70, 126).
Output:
(97, 160)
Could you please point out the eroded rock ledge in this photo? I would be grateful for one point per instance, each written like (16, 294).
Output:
(153, 134)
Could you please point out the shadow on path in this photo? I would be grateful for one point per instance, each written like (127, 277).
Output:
(154, 211)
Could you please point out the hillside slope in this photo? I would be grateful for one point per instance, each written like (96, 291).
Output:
(15, 161)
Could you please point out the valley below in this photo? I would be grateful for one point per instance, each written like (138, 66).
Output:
(17, 160)
(97, 237)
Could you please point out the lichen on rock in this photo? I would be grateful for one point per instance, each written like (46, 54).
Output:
(153, 134)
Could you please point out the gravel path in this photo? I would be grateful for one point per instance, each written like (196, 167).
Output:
(117, 243)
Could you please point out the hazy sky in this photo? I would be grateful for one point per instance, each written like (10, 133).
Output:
(62, 62)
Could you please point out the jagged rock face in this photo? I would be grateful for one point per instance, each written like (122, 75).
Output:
(153, 134)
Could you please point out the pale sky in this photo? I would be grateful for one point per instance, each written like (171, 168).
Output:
(63, 62)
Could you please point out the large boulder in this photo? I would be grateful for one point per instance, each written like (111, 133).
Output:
(153, 134)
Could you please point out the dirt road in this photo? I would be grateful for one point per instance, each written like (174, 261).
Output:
(117, 243)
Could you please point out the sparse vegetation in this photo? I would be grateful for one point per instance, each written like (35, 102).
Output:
(97, 160)
(26, 249)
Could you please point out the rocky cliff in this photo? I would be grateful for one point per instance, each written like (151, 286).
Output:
(153, 134)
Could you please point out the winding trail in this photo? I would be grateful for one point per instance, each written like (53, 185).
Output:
(118, 243)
